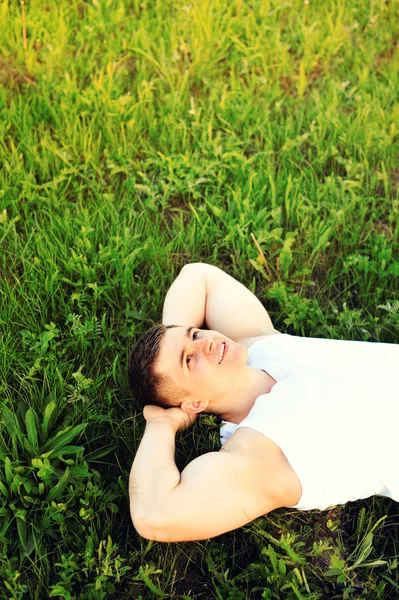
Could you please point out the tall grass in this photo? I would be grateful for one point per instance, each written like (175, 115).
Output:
(136, 137)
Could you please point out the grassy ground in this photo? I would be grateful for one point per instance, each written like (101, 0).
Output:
(137, 136)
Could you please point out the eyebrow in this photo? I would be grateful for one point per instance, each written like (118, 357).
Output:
(188, 334)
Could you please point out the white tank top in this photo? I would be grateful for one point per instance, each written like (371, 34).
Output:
(334, 412)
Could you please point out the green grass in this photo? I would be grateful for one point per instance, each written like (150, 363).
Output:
(135, 137)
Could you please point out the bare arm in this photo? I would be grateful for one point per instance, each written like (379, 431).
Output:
(204, 293)
(154, 473)
(217, 492)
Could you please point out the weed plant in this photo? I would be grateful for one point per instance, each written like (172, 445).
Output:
(136, 136)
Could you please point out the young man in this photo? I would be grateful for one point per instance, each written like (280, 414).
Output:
(308, 423)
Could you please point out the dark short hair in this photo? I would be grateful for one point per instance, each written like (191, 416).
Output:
(148, 386)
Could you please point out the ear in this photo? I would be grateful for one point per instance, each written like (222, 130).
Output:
(192, 406)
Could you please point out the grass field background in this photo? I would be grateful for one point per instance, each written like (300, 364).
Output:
(136, 137)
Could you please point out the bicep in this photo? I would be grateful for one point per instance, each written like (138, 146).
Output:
(218, 492)
(231, 308)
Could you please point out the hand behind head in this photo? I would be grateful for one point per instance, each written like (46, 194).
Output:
(176, 417)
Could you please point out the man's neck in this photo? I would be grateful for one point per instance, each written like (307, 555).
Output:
(237, 406)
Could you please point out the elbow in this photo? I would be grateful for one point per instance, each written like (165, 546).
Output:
(149, 531)
(143, 528)
(146, 527)
(140, 520)
(143, 525)
(197, 266)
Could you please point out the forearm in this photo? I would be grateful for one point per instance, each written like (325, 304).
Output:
(154, 474)
(185, 302)
(203, 293)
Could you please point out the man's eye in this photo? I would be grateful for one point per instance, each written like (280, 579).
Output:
(188, 359)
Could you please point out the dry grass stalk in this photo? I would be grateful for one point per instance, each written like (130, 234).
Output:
(264, 261)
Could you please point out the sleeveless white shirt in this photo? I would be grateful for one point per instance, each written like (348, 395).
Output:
(334, 412)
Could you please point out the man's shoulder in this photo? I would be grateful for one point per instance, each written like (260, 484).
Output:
(266, 461)
(247, 342)
(249, 442)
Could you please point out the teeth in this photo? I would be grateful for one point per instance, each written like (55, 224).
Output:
(221, 353)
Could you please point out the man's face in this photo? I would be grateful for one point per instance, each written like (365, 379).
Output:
(205, 363)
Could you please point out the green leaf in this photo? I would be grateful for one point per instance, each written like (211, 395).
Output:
(374, 563)
(110, 546)
(45, 469)
(48, 411)
(217, 211)
(285, 258)
(322, 242)
(28, 446)
(57, 490)
(3, 448)
(4, 525)
(273, 557)
(29, 499)
(144, 577)
(292, 554)
(12, 424)
(15, 485)
(260, 268)
(63, 450)
(96, 454)
(64, 437)
(27, 542)
(366, 548)
(30, 422)
(3, 489)
(282, 567)
(80, 471)
(21, 527)
(8, 470)
(30, 544)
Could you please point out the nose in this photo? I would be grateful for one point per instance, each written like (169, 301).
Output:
(208, 345)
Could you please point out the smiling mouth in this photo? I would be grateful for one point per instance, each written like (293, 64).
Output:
(221, 353)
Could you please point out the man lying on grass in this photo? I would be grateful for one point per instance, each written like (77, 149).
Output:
(308, 423)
